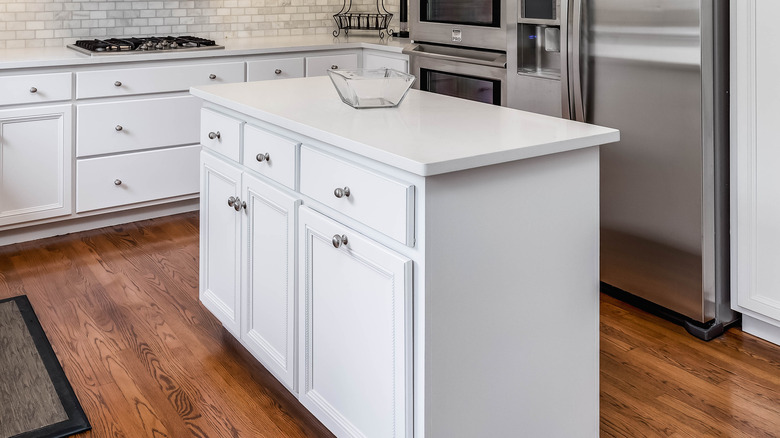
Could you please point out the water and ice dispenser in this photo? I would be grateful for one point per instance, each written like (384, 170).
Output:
(534, 81)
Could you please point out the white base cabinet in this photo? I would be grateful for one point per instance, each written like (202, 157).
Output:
(355, 343)
(755, 157)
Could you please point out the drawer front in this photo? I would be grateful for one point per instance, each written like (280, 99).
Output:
(382, 203)
(372, 60)
(319, 65)
(270, 155)
(274, 69)
(35, 88)
(130, 125)
(136, 177)
(221, 134)
(129, 81)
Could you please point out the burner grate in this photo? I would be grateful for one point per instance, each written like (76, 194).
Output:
(144, 44)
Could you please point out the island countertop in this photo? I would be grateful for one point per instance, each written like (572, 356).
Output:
(427, 134)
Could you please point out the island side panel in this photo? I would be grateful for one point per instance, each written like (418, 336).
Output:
(511, 299)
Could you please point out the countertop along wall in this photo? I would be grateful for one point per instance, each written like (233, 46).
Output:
(56, 23)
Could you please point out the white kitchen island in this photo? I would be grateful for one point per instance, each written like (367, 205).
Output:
(429, 270)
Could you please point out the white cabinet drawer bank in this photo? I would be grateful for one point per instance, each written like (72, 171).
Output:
(403, 278)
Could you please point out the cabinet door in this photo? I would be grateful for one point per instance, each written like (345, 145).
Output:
(35, 163)
(355, 326)
(220, 234)
(268, 327)
(266, 69)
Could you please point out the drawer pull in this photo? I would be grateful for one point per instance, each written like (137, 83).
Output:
(263, 157)
(212, 76)
(118, 127)
(339, 240)
(117, 182)
(278, 71)
(334, 67)
(213, 135)
(117, 84)
(33, 90)
(339, 192)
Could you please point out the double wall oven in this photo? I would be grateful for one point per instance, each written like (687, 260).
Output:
(460, 48)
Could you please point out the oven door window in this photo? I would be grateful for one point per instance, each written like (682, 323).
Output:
(467, 12)
(466, 87)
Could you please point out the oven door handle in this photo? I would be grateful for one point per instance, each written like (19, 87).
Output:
(414, 50)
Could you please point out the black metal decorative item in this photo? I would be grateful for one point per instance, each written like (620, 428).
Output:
(348, 20)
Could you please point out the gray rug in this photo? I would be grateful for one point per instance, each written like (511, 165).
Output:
(36, 399)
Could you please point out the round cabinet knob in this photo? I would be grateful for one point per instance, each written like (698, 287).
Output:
(232, 200)
(33, 90)
(117, 182)
(339, 240)
(212, 76)
(263, 157)
(118, 127)
(334, 67)
(278, 71)
(117, 84)
(213, 135)
(340, 193)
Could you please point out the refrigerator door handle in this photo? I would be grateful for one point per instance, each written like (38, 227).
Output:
(566, 103)
(576, 62)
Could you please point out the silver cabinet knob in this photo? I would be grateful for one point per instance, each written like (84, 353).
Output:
(339, 192)
(278, 71)
(213, 135)
(232, 200)
(118, 127)
(334, 67)
(33, 90)
(263, 157)
(236, 203)
(212, 76)
(339, 240)
(117, 182)
(117, 84)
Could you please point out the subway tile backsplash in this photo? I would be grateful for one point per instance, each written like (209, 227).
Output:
(55, 23)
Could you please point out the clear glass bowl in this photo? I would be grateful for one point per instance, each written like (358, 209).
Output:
(371, 88)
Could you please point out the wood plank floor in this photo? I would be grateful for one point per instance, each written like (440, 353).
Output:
(147, 360)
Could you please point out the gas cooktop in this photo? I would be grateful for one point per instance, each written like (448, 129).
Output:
(114, 46)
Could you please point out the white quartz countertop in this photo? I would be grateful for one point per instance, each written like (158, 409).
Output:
(63, 56)
(427, 134)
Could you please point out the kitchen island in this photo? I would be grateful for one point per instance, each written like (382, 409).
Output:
(429, 270)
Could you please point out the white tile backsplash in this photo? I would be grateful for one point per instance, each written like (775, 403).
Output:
(52, 23)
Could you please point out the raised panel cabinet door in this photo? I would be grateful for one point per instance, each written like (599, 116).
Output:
(35, 163)
(268, 301)
(355, 327)
(220, 236)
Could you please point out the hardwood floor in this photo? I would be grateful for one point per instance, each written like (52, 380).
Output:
(121, 310)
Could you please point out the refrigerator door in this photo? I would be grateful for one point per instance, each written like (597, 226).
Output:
(643, 68)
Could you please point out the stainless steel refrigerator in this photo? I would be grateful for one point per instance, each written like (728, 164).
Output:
(657, 71)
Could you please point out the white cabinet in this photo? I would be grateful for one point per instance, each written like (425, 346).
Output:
(268, 292)
(755, 157)
(376, 59)
(35, 163)
(355, 314)
(220, 241)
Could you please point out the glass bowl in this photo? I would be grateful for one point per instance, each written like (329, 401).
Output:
(371, 88)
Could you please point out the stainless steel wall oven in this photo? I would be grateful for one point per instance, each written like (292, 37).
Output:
(467, 23)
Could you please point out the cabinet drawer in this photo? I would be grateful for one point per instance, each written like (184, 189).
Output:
(128, 81)
(221, 134)
(270, 155)
(130, 125)
(136, 177)
(319, 65)
(35, 88)
(373, 60)
(381, 202)
(274, 69)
